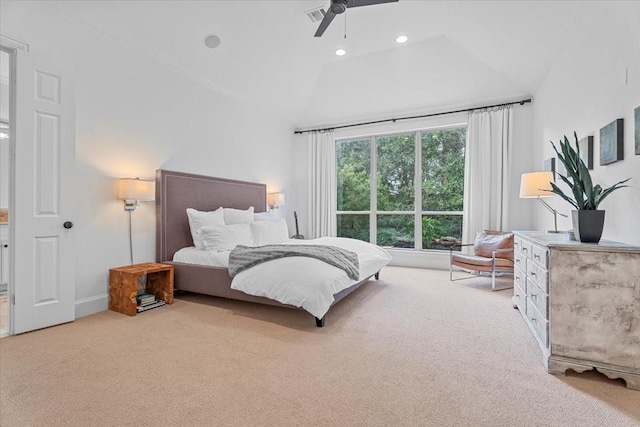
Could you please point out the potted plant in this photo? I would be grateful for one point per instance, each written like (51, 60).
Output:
(588, 221)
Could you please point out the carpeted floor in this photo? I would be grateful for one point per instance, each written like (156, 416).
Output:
(412, 349)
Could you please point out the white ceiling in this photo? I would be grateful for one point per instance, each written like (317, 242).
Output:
(459, 53)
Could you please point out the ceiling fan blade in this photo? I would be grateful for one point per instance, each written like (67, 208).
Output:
(357, 3)
(328, 17)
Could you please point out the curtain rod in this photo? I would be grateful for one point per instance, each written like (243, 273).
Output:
(521, 102)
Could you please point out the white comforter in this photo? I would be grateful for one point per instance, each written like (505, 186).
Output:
(307, 282)
(299, 281)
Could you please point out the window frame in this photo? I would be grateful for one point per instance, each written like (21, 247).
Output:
(417, 211)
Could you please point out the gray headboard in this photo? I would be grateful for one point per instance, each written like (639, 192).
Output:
(177, 191)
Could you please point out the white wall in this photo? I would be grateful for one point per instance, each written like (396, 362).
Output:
(584, 91)
(519, 209)
(135, 115)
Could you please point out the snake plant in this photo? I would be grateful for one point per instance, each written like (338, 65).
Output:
(586, 196)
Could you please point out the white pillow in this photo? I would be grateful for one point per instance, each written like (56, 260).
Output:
(269, 232)
(266, 216)
(220, 238)
(238, 216)
(199, 219)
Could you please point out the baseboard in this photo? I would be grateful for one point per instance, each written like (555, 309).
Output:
(420, 259)
(92, 305)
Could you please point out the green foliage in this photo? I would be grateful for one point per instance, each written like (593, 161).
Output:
(354, 170)
(443, 170)
(396, 172)
(396, 230)
(586, 196)
(431, 230)
(353, 226)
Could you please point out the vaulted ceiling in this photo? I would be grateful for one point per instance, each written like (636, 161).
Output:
(459, 53)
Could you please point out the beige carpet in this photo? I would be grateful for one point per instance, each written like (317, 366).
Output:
(410, 350)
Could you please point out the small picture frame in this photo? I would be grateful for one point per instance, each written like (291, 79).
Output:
(550, 166)
(612, 142)
(586, 151)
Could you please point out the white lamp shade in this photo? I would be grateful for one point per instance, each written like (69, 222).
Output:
(136, 189)
(536, 184)
(275, 199)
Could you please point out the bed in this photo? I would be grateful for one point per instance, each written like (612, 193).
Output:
(177, 191)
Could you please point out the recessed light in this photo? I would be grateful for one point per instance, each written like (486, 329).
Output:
(341, 52)
(402, 39)
(212, 41)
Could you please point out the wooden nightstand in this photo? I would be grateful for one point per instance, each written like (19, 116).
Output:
(123, 285)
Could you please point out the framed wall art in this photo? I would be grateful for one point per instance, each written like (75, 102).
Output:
(586, 151)
(612, 142)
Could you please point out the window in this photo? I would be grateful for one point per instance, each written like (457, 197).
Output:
(403, 190)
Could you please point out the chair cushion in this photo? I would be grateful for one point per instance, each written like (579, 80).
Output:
(495, 232)
(486, 243)
(474, 262)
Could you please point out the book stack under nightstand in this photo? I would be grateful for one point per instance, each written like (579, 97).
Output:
(147, 302)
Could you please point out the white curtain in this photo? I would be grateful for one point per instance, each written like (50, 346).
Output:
(487, 171)
(322, 184)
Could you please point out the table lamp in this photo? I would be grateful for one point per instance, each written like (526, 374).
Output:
(538, 185)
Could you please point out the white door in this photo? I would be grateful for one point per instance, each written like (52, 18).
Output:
(44, 261)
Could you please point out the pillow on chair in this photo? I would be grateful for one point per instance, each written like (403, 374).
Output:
(490, 241)
(496, 232)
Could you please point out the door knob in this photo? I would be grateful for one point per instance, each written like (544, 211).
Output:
(67, 224)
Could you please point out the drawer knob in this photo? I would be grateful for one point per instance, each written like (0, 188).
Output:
(533, 273)
(536, 256)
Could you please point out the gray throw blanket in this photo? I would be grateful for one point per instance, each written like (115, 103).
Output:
(244, 257)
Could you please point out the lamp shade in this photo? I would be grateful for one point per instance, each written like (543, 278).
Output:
(536, 184)
(136, 189)
(275, 199)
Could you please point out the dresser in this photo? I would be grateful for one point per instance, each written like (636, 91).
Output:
(581, 302)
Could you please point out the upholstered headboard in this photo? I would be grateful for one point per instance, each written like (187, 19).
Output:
(177, 191)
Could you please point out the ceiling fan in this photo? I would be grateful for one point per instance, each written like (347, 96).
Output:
(339, 6)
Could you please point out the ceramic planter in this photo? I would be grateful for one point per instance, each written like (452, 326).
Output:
(588, 225)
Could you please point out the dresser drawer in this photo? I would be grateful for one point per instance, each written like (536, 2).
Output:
(538, 275)
(520, 261)
(519, 299)
(519, 278)
(517, 244)
(539, 323)
(538, 298)
(540, 256)
(526, 248)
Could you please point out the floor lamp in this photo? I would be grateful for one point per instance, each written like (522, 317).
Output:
(538, 185)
